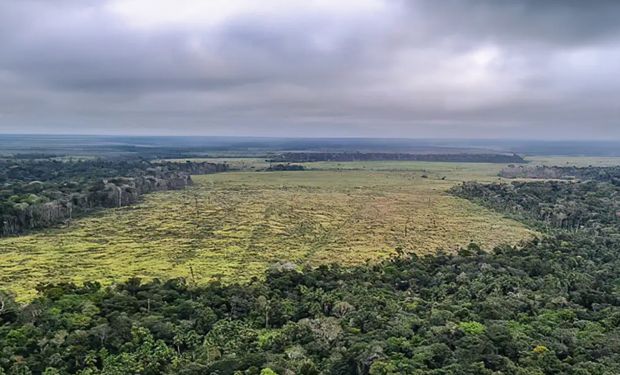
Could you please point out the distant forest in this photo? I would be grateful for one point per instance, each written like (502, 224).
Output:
(197, 146)
(300, 157)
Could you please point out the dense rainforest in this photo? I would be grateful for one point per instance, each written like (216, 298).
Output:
(580, 205)
(300, 157)
(41, 193)
(548, 306)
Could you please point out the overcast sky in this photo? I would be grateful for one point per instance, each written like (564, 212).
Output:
(379, 68)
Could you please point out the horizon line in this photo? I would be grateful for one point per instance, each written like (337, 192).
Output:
(127, 135)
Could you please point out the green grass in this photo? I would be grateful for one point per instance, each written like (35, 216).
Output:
(231, 226)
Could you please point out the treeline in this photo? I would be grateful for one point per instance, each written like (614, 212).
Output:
(52, 170)
(609, 174)
(301, 157)
(39, 194)
(590, 205)
(285, 167)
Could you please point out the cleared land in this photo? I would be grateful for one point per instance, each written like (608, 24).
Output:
(231, 226)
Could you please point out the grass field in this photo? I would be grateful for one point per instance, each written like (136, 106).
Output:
(231, 226)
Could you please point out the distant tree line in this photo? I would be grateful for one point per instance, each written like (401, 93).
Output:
(300, 157)
(33, 155)
(609, 174)
(39, 194)
(285, 167)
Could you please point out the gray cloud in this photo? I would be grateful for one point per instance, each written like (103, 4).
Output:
(423, 68)
(548, 22)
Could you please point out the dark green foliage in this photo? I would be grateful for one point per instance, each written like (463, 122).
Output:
(285, 167)
(591, 206)
(608, 174)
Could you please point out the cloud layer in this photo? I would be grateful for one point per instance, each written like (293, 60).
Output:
(385, 68)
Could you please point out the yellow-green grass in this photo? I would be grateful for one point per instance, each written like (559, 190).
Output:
(231, 226)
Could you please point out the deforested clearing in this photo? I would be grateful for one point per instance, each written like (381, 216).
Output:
(232, 226)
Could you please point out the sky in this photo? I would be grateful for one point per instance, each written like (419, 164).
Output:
(526, 69)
